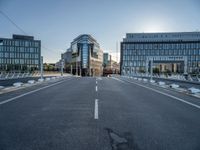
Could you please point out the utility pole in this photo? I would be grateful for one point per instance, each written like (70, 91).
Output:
(41, 67)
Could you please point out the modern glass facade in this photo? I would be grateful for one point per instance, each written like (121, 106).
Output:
(182, 50)
(86, 56)
(106, 59)
(21, 53)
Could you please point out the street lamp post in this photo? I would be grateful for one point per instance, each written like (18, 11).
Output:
(71, 69)
(76, 63)
(80, 68)
(41, 67)
(151, 69)
(62, 66)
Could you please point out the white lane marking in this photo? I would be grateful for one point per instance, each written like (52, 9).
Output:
(118, 79)
(96, 88)
(96, 82)
(96, 111)
(171, 96)
(19, 96)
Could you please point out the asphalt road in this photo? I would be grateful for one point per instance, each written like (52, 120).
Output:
(98, 114)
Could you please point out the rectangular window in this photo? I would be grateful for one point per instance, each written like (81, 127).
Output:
(166, 52)
(21, 61)
(36, 62)
(21, 49)
(31, 50)
(1, 48)
(1, 54)
(6, 55)
(27, 44)
(192, 45)
(16, 43)
(12, 55)
(1, 42)
(26, 55)
(175, 52)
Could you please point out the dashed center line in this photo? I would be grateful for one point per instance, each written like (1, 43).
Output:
(96, 111)
(96, 88)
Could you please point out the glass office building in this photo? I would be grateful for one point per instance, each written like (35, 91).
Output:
(106, 59)
(87, 57)
(19, 54)
(168, 52)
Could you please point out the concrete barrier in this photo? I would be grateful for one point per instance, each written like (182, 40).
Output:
(31, 81)
(53, 78)
(174, 86)
(40, 80)
(145, 80)
(194, 90)
(47, 79)
(161, 83)
(17, 84)
(152, 81)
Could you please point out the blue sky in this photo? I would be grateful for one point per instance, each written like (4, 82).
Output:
(57, 22)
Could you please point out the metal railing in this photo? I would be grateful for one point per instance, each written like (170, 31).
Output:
(14, 75)
(166, 76)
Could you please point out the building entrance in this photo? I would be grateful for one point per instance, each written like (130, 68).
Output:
(170, 64)
(168, 67)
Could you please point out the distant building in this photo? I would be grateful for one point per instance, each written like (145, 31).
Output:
(84, 57)
(106, 59)
(58, 65)
(21, 53)
(67, 58)
(49, 67)
(177, 52)
(109, 65)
